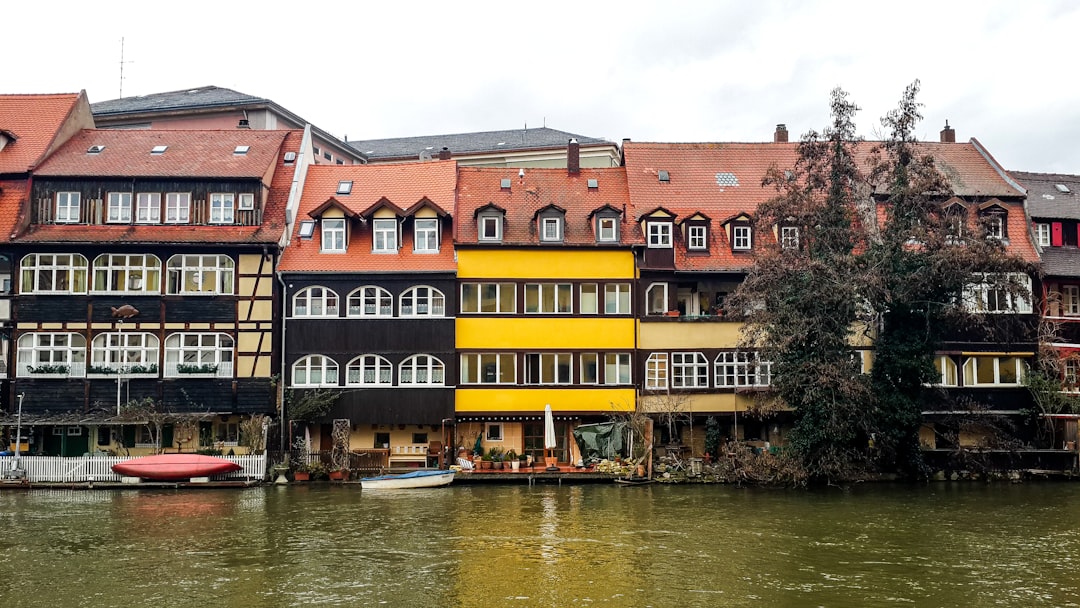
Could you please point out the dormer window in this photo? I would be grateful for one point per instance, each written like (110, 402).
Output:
(67, 207)
(384, 236)
(333, 235)
(221, 207)
(995, 225)
(741, 237)
(607, 229)
(426, 235)
(789, 237)
(697, 237)
(550, 229)
(1042, 234)
(659, 234)
(119, 211)
(490, 227)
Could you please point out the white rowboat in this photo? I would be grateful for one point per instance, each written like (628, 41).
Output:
(416, 479)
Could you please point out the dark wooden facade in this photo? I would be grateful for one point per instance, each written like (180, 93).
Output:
(395, 338)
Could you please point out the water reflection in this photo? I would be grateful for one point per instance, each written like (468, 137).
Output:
(940, 545)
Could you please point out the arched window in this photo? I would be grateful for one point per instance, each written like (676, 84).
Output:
(137, 274)
(125, 352)
(315, 302)
(200, 275)
(53, 273)
(315, 370)
(189, 353)
(368, 370)
(371, 301)
(423, 301)
(421, 370)
(51, 354)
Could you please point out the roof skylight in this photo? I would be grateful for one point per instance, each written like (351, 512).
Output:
(241, 149)
(594, 184)
(344, 187)
(663, 175)
(158, 149)
(95, 149)
(1062, 188)
(307, 229)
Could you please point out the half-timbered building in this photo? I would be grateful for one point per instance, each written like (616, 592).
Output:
(145, 270)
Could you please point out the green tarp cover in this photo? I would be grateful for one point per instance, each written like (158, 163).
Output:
(603, 440)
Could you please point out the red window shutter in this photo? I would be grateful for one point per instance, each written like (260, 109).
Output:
(1055, 234)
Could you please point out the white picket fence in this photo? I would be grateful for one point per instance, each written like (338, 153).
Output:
(78, 469)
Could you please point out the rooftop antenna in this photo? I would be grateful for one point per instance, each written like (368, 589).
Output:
(122, 62)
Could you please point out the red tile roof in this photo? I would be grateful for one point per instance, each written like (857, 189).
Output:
(722, 180)
(12, 200)
(189, 154)
(539, 189)
(402, 186)
(269, 232)
(35, 120)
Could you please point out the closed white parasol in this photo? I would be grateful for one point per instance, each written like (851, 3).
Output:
(550, 441)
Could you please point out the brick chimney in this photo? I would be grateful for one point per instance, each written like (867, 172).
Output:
(780, 137)
(444, 154)
(948, 134)
(573, 157)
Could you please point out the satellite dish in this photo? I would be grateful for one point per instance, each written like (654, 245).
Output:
(425, 155)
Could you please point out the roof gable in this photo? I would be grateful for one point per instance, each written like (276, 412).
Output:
(36, 124)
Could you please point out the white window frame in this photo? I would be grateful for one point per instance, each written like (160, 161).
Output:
(315, 301)
(314, 371)
(589, 362)
(607, 230)
(995, 226)
(246, 202)
(551, 229)
(200, 274)
(659, 234)
(981, 298)
(476, 298)
(67, 269)
(50, 348)
(118, 208)
(222, 205)
(332, 231)
(472, 368)
(948, 371)
(617, 369)
(549, 298)
(422, 370)
(689, 370)
(695, 237)
(1070, 300)
(741, 369)
(486, 222)
(68, 207)
(177, 207)
(384, 235)
(656, 305)
(148, 208)
(121, 273)
(122, 350)
(589, 299)
(493, 431)
(1042, 234)
(199, 348)
(426, 235)
(422, 301)
(370, 301)
(998, 366)
(656, 372)
(789, 237)
(369, 370)
(742, 238)
(616, 298)
(549, 368)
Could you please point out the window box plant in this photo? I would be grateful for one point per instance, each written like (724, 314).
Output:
(205, 369)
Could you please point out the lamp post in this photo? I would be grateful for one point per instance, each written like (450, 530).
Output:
(18, 437)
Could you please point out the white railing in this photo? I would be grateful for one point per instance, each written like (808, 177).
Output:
(58, 469)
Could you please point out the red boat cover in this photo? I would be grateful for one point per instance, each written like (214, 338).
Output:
(172, 467)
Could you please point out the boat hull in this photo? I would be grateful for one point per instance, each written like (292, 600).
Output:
(417, 479)
(173, 467)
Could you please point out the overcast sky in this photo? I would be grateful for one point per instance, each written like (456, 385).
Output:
(1002, 72)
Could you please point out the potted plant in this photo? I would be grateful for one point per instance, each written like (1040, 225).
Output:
(512, 458)
(339, 474)
(301, 473)
(485, 461)
(317, 471)
(496, 454)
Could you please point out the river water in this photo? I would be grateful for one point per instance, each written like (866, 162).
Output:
(933, 545)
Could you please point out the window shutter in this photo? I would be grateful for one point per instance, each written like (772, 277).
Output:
(1055, 234)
